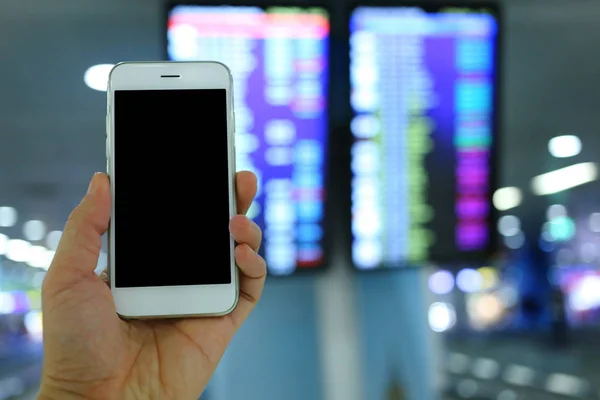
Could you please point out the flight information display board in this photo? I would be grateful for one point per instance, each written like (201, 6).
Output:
(279, 58)
(423, 95)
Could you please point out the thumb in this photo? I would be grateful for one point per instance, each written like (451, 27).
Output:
(81, 241)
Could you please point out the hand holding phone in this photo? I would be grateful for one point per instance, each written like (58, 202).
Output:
(90, 353)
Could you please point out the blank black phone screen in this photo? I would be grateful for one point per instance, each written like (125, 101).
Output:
(171, 179)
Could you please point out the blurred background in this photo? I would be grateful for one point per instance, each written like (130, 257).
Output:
(428, 186)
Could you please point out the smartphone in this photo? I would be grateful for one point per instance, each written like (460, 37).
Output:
(171, 160)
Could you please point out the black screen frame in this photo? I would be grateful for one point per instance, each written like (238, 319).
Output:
(328, 171)
(223, 92)
(475, 258)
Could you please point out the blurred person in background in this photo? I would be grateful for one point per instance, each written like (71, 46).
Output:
(90, 353)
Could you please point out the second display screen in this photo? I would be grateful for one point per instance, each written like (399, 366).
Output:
(423, 96)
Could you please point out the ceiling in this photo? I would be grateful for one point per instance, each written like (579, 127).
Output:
(52, 125)
(551, 81)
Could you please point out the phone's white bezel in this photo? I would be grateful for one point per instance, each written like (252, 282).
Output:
(172, 301)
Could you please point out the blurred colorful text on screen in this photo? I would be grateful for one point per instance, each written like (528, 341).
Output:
(423, 98)
(279, 61)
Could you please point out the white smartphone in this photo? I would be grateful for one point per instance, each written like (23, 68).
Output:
(171, 160)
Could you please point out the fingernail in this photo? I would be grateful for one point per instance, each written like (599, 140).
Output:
(92, 186)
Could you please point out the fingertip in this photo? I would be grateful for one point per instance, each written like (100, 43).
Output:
(247, 178)
(246, 188)
(103, 179)
(99, 185)
(97, 199)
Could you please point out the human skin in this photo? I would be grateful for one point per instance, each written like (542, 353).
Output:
(90, 353)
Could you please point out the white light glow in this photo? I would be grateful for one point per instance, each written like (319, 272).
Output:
(485, 368)
(564, 178)
(518, 375)
(564, 146)
(8, 217)
(49, 257)
(3, 244)
(469, 280)
(514, 242)
(367, 254)
(556, 211)
(585, 294)
(33, 323)
(53, 239)
(7, 303)
(34, 230)
(39, 257)
(17, 250)
(441, 282)
(442, 316)
(102, 263)
(96, 77)
(184, 39)
(509, 225)
(567, 385)
(507, 198)
(595, 222)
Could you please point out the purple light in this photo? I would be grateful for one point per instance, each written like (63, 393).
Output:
(21, 302)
